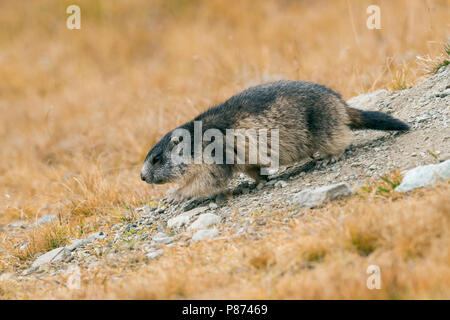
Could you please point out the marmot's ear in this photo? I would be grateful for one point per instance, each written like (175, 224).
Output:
(175, 140)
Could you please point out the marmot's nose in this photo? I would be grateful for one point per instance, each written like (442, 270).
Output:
(142, 177)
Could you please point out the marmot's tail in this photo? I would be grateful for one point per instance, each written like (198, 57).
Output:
(374, 120)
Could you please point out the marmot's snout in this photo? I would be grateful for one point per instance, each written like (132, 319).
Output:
(147, 176)
(158, 165)
(152, 175)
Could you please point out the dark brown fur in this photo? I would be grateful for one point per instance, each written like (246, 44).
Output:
(310, 118)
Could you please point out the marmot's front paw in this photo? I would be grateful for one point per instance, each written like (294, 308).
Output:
(175, 196)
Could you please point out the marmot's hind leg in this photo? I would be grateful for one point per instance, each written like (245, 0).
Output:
(333, 148)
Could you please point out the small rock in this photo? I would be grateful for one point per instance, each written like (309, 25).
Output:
(178, 221)
(78, 243)
(312, 198)
(19, 224)
(98, 235)
(116, 227)
(162, 238)
(444, 93)
(444, 156)
(5, 276)
(423, 117)
(281, 184)
(205, 234)
(130, 226)
(204, 221)
(24, 246)
(241, 231)
(424, 175)
(160, 210)
(213, 205)
(270, 171)
(46, 219)
(56, 255)
(146, 209)
(155, 254)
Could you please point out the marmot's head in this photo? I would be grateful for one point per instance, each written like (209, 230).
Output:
(160, 166)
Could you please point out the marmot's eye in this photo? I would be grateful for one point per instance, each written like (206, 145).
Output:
(156, 159)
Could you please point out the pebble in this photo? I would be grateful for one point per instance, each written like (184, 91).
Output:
(162, 238)
(178, 221)
(130, 226)
(204, 221)
(281, 184)
(205, 234)
(54, 255)
(213, 205)
(98, 235)
(45, 219)
(18, 224)
(312, 198)
(78, 243)
(155, 254)
(5, 276)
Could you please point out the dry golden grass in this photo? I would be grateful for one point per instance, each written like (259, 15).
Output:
(80, 108)
(323, 253)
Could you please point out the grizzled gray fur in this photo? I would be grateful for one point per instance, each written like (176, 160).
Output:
(310, 118)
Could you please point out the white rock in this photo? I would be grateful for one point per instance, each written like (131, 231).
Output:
(162, 238)
(18, 224)
(155, 254)
(184, 218)
(281, 184)
(444, 156)
(204, 221)
(55, 255)
(46, 219)
(312, 198)
(145, 209)
(213, 205)
(178, 221)
(205, 234)
(5, 276)
(78, 243)
(98, 235)
(24, 246)
(424, 175)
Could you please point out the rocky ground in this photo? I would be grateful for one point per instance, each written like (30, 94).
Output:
(157, 225)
